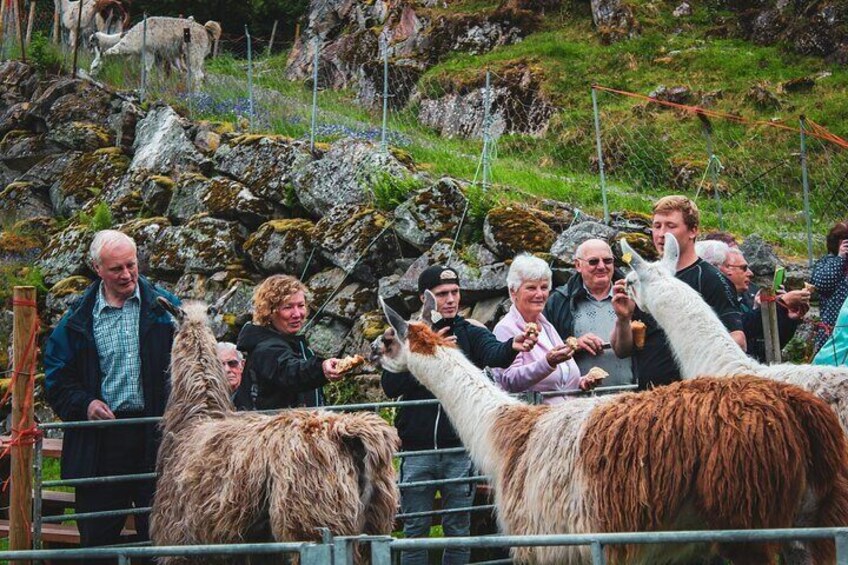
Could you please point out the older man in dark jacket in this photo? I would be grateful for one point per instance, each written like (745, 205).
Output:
(108, 359)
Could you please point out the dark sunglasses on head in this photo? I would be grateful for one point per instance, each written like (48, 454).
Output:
(595, 260)
(233, 363)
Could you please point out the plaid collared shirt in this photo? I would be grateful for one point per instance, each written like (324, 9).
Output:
(116, 338)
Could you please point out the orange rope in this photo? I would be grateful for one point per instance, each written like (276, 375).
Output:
(816, 130)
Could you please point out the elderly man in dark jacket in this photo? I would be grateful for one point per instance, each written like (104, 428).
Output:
(107, 359)
(427, 427)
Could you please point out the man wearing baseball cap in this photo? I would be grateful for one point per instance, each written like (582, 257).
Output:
(428, 427)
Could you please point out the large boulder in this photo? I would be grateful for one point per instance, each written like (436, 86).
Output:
(70, 100)
(355, 239)
(345, 174)
(264, 163)
(431, 214)
(477, 280)
(81, 136)
(220, 197)
(203, 245)
(568, 241)
(147, 233)
(235, 311)
(161, 144)
(326, 336)
(23, 200)
(61, 295)
(87, 176)
(760, 256)
(283, 246)
(66, 254)
(18, 83)
(511, 229)
(21, 149)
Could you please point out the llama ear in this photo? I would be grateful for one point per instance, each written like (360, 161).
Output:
(395, 320)
(172, 309)
(429, 315)
(629, 256)
(671, 253)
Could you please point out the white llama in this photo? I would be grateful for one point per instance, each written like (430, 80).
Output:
(700, 342)
(755, 454)
(165, 41)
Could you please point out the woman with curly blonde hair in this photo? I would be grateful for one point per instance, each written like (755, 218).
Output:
(281, 371)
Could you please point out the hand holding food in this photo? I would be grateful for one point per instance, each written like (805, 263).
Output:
(347, 364)
(639, 330)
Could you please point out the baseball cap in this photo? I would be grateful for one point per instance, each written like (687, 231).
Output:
(431, 277)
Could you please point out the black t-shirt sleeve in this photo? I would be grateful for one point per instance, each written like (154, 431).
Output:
(716, 290)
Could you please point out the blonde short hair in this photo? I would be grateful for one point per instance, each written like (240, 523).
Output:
(271, 293)
(677, 202)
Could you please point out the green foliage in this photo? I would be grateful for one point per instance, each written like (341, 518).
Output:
(44, 54)
(12, 275)
(100, 219)
(389, 190)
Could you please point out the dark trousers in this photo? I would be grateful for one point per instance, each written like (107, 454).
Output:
(120, 452)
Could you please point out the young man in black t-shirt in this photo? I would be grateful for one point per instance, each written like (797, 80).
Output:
(655, 364)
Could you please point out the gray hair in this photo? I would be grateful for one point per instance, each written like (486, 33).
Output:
(526, 267)
(104, 237)
(226, 347)
(713, 252)
(578, 253)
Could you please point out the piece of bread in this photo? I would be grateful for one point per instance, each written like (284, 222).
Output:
(811, 288)
(573, 343)
(531, 329)
(349, 363)
(596, 374)
(639, 330)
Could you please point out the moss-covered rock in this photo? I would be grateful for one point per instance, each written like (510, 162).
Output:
(322, 285)
(232, 200)
(82, 136)
(66, 254)
(203, 245)
(355, 239)
(23, 200)
(264, 163)
(509, 230)
(147, 233)
(187, 197)
(431, 214)
(87, 176)
(20, 150)
(326, 336)
(568, 241)
(62, 294)
(283, 246)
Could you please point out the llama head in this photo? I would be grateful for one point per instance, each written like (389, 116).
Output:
(402, 337)
(645, 283)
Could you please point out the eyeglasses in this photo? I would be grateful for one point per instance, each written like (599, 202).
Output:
(595, 260)
(232, 363)
(743, 267)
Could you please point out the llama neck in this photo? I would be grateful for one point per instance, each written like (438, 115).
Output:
(470, 400)
(698, 339)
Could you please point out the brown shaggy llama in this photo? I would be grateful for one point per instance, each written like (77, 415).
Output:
(707, 453)
(227, 477)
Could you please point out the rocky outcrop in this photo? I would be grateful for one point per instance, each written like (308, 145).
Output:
(161, 144)
(431, 214)
(809, 28)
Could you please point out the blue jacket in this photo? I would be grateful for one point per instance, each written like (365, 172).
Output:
(73, 376)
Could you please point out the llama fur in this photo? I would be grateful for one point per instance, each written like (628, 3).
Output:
(165, 42)
(228, 477)
(709, 453)
(97, 16)
(700, 342)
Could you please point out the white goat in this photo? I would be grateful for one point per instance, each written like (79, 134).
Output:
(165, 41)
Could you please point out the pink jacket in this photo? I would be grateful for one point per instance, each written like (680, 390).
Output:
(530, 370)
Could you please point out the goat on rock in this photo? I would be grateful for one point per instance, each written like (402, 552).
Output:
(701, 344)
(228, 477)
(709, 453)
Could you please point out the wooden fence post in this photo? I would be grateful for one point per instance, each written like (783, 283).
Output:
(30, 22)
(768, 308)
(24, 344)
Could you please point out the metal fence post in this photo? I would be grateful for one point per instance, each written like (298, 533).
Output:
(317, 45)
(598, 554)
(319, 554)
(381, 551)
(38, 477)
(249, 78)
(384, 45)
(189, 81)
(806, 184)
(711, 165)
(842, 548)
(143, 66)
(271, 41)
(487, 105)
(600, 155)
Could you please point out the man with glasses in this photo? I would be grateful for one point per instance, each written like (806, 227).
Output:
(792, 305)
(233, 364)
(654, 362)
(583, 308)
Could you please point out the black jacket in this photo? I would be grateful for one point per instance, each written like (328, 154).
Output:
(428, 427)
(281, 371)
(73, 376)
(559, 310)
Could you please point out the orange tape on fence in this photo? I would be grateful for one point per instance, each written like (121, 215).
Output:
(815, 130)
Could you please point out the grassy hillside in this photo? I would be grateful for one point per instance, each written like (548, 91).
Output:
(648, 150)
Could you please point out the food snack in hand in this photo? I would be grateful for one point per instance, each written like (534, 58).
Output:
(573, 343)
(596, 374)
(531, 329)
(809, 287)
(639, 330)
(349, 363)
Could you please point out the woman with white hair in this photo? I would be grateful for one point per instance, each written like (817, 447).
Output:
(548, 367)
